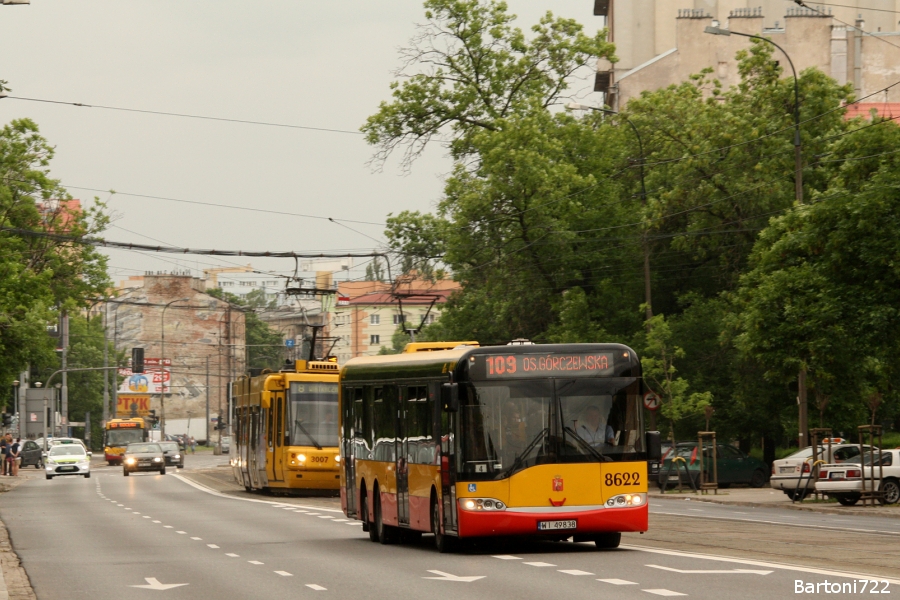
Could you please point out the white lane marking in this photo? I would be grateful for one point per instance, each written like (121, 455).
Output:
(801, 525)
(120, 505)
(195, 538)
(167, 526)
(340, 520)
(709, 572)
(232, 555)
(539, 564)
(507, 557)
(664, 592)
(354, 523)
(147, 517)
(326, 517)
(318, 588)
(449, 577)
(154, 584)
(618, 581)
(255, 562)
(313, 514)
(213, 492)
(284, 573)
(136, 512)
(573, 571)
(739, 513)
(157, 521)
(287, 508)
(697, 509)
(181, 532)
(212, 546)
(759, 563)
(302, 512)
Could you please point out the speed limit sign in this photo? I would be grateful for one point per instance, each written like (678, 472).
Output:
(651, 401)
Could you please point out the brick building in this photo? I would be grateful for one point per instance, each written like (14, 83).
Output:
(203, 337)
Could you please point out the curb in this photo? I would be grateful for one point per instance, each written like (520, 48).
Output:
(828, 510)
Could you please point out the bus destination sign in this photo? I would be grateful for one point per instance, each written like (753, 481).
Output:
(512, 366)
(127, 425)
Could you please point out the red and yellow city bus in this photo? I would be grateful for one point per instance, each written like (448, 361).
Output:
(469, 442)
(121, 432)
(286, 429)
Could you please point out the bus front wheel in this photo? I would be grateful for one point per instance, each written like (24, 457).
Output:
(442, 541)
(608, 541)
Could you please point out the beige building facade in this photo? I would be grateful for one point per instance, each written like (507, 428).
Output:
(662, 42)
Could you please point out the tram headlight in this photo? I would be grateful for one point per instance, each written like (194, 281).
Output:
(337, 458)
(301, 457)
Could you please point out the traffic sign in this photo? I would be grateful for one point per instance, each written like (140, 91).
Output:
(651, 401)
(289, 343)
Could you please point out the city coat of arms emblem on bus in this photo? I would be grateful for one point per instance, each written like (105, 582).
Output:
(557, 484)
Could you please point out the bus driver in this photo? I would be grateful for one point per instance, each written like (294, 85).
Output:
(594, 431)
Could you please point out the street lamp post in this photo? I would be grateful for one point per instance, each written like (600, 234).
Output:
(162, 363)
(644, 241)
(714, 29)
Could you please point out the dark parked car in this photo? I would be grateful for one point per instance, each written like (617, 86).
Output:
(732, 465)
(31, 454)
(144, 456)
(173, 453)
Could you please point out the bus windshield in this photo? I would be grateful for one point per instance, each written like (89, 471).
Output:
(511, 425)
(123, 437)
(312, 414)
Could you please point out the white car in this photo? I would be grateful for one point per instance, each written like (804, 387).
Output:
(844, 482)
(792, 475)
(67, 459)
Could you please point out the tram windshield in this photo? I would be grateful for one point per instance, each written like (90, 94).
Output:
(312, 414)
(511, 425)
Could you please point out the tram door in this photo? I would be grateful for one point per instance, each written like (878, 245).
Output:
(277, 458)
(407, 394)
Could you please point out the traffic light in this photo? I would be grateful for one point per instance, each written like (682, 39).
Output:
(7, 419)
(137, 360)
(154, 420)
(220, 425)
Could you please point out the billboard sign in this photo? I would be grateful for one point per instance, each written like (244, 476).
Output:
(127, 404)
(154, 379)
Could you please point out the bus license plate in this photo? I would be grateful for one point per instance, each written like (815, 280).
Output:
(555, 525)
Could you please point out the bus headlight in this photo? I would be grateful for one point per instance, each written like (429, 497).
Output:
(482, 504)
(625, 500)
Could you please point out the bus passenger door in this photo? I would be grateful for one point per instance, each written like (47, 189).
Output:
(277, 457)
(348, 439)
(406, 395)
(445, 427)
(252, 448)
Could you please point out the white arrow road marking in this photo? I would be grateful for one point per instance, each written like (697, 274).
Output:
(711, 572)
(449, 577)
(154, 584)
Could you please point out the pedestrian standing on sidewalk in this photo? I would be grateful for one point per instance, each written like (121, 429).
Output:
(193, 445)
(4, 452)
(9, 458)
(14, 455)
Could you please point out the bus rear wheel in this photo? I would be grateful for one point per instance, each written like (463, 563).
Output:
(364, 516)
(386, 533)
(442, 541)
(608, 541)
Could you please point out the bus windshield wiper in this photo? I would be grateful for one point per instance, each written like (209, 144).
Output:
(312, 439)
(581, 442)
(521, 457)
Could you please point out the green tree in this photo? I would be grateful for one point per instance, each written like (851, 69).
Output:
(40, 274)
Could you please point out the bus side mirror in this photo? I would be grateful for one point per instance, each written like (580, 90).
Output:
(654, 445)
(450, 397)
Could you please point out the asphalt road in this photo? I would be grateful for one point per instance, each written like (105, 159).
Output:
(98, 538)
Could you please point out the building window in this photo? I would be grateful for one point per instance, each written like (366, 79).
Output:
(374, 340)
(398, 319)
(374, 319)
(430, 319)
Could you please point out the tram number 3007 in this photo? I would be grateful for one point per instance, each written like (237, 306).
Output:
(319, 459)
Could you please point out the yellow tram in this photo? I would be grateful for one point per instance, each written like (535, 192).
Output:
(286, 429)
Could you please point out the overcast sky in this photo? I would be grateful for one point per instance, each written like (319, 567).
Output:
(319, 64)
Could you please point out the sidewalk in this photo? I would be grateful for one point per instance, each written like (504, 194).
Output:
(766, 497)
(14, 583)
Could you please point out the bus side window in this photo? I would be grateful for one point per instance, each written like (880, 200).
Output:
(270, 424)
